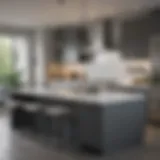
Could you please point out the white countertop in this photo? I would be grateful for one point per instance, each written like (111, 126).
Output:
(103, 97)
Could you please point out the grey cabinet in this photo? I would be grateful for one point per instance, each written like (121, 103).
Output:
(113, 126)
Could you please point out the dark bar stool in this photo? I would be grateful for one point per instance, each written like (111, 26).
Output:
(31, 111)
(55, 124)
(17, 114)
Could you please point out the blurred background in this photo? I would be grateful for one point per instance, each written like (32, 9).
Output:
(80, 48)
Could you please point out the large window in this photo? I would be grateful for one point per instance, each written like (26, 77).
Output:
(20, 56)
(5, 55)
(13, 59)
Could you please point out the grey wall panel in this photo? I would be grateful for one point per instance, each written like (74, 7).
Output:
(137, 32)
(123, 125)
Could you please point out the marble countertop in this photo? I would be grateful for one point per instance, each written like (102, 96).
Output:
(102, 97)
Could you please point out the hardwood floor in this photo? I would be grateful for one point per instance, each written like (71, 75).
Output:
(17, 146)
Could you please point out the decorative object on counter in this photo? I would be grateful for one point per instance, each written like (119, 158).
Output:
(65, 72)
(142, 81)
(139, 72)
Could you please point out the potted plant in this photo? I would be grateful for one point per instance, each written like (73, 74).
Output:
(13, 80)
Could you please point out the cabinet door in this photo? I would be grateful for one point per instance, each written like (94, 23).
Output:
(108, 34)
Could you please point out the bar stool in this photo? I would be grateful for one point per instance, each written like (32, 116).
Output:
(31, 111)
(56, 124)
(17, 113)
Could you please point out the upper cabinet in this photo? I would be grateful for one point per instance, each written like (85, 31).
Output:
(70, 42)
(82, 36)
(108, 34)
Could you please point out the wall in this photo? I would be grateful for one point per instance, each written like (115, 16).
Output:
(136, 34)
(42, 55)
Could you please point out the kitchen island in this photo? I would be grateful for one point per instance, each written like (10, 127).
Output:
(102, 122)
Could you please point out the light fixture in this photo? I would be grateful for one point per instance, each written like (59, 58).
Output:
(61, 2)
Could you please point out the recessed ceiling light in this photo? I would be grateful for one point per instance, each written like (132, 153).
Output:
(61, 2)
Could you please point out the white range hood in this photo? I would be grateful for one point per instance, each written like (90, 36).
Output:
(107, 65)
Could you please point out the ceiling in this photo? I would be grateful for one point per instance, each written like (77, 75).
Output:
(40, 13)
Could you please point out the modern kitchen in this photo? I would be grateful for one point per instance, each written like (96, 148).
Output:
(86, 93)
(87, 86)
